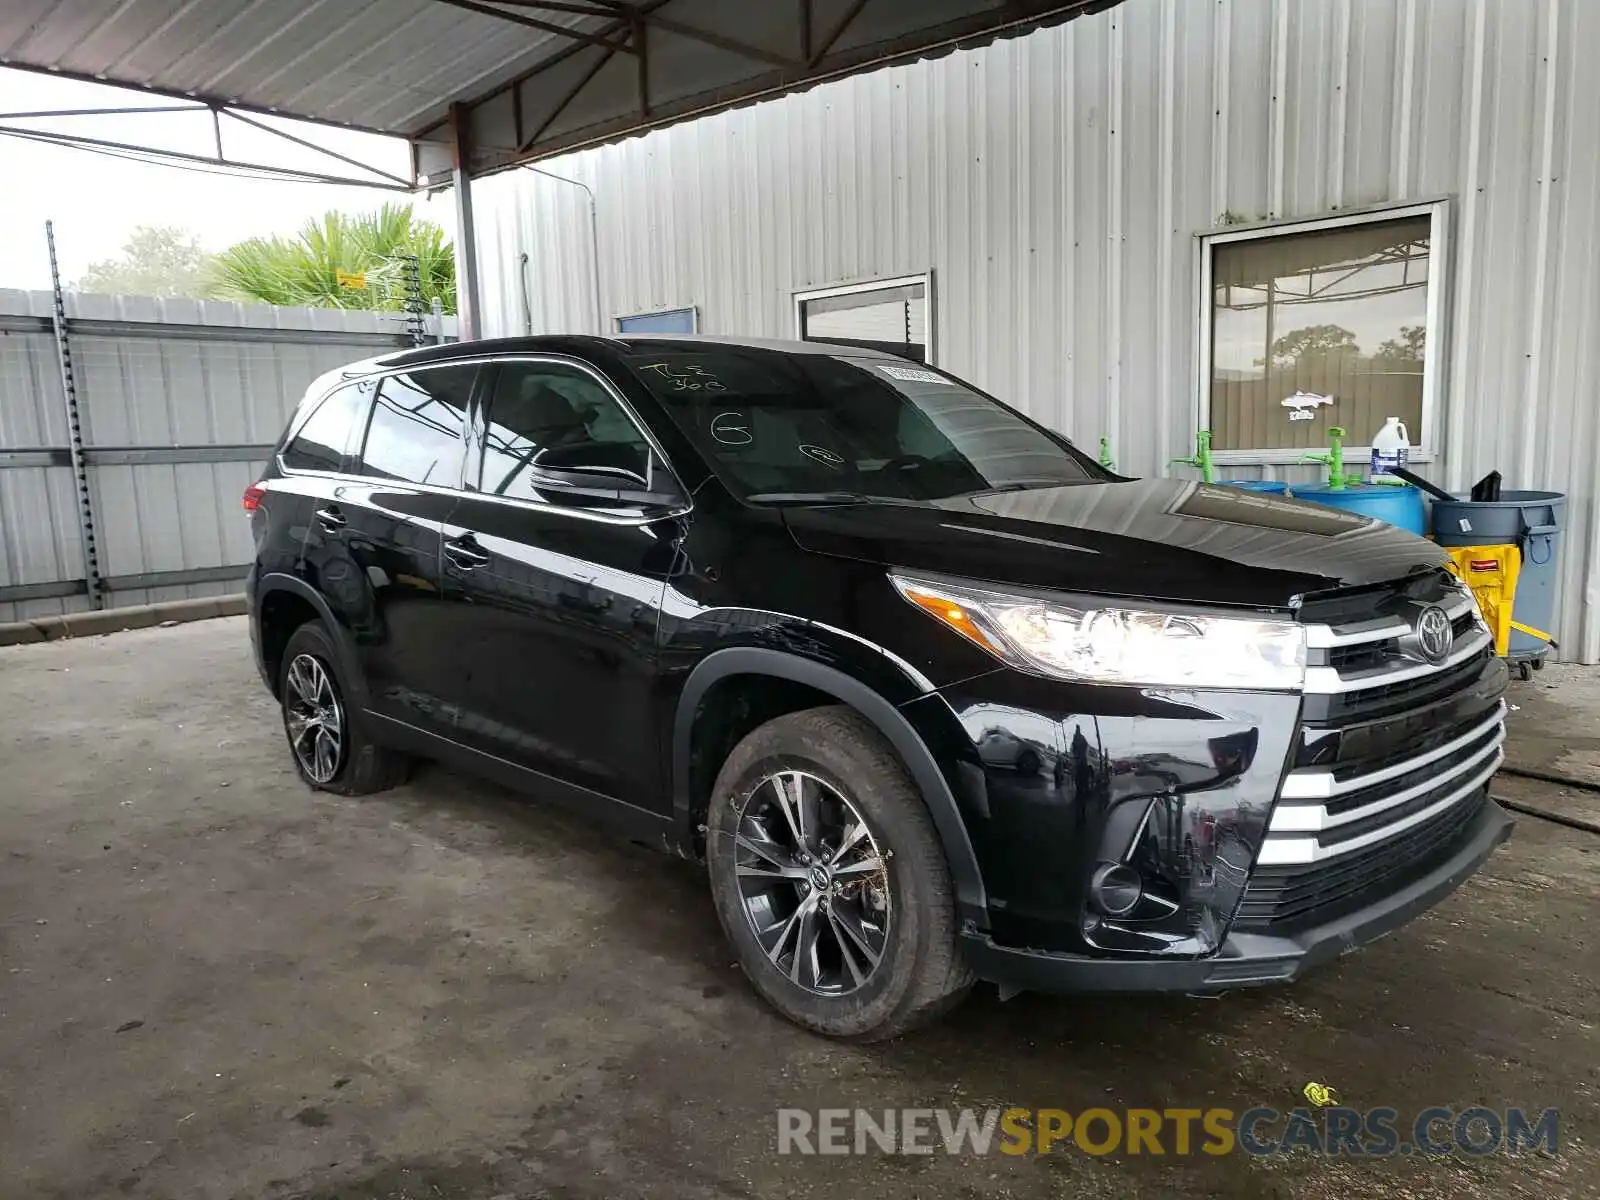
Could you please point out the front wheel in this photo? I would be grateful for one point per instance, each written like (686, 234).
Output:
(829, 878)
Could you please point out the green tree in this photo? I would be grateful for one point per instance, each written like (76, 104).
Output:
(156, 260)
(1407, 348)
(306, 269)
(1314, 342)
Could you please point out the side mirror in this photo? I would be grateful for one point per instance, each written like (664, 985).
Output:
(597, 481)
(617, 461)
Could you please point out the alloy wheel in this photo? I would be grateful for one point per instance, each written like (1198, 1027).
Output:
(314, 718)
(813, 882)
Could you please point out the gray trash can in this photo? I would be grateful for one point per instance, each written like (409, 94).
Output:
(1531, 520)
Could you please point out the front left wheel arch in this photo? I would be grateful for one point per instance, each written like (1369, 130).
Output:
(834, 686)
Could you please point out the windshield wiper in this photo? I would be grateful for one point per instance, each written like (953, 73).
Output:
(812, 498)
(1023, 485)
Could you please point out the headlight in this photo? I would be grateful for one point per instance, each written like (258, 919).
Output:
(1116, 645)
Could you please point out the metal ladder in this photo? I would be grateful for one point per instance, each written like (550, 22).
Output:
(69, 391)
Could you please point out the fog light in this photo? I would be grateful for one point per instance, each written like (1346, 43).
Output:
(1115, 889)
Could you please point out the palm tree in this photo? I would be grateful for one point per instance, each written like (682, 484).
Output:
(305, 269)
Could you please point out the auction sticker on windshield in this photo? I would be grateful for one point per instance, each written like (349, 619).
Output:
(914, 375)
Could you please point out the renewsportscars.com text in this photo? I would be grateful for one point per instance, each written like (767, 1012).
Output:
(1336, 1131)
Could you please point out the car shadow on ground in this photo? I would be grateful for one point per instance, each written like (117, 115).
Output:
(1043, 1042)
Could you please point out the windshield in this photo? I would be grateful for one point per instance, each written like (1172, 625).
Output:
(793, 425)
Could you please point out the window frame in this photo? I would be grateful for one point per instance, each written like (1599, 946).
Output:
(691, 309)
(485, 362)
(878, 283)
(356, 450)
(1435, 349)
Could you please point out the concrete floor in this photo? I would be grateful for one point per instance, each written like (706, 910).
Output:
(1555, 722)
(215, 983)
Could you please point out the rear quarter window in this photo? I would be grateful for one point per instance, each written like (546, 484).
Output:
(322, 440)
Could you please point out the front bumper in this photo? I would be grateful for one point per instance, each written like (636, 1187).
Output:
(1245, 959)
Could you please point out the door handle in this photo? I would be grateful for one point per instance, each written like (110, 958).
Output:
(332, 519)
(465, 553)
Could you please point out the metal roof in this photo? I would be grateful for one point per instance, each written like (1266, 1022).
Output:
(532, 77)
(389, 66)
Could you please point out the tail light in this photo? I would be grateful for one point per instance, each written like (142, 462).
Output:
(251, 500)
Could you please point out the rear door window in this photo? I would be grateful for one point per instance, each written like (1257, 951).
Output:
(415, 431)
(322, 441)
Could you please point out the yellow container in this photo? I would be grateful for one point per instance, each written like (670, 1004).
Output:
(1491, 573)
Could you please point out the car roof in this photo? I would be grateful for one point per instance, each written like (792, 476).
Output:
(620, 343)
(690, 341)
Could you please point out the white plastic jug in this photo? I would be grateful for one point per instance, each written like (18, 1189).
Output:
(1391, 448)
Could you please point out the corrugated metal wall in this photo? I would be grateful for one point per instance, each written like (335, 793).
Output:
(156, 379)
(1054, 185)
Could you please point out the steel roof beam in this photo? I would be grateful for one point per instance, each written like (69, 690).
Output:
(300, 141)
(567, 98)
(850, 14)
(695, 33)
(155, 154)
(583, 10)
(205, 99)
(577, 35)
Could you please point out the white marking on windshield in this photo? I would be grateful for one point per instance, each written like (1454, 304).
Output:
(729, 428)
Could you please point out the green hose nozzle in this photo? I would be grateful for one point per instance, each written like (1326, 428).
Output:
(1201, 457)
(1106, 460)
(1333, 459)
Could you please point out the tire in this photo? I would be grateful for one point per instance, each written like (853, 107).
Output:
(349, 763)
(1028, 762)
(892, 893)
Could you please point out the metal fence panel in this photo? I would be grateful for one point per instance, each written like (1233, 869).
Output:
(178, 402)
(39, 543)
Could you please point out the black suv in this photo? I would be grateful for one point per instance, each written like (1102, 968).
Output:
(933, 695)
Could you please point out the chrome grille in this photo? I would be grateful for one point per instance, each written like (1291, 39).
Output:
(1329, 812)
(1283, 899)
(1356, 658)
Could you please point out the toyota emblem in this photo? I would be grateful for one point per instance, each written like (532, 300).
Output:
(1434, 633)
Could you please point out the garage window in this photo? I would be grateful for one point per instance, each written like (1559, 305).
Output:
(670, 320)
(894, 315)
(1316, 324)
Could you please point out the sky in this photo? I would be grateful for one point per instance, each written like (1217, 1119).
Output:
(96, 201)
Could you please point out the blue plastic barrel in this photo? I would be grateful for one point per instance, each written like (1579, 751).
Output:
(1531, 520)
(1276, 486)
(1399, 506)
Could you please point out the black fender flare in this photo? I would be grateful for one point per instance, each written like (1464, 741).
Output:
(349, 664)
(971, 898)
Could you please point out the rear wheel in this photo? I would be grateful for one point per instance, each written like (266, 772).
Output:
(330, 749)
(830, 880)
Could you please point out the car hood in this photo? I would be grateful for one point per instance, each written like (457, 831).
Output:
(1159, 539)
